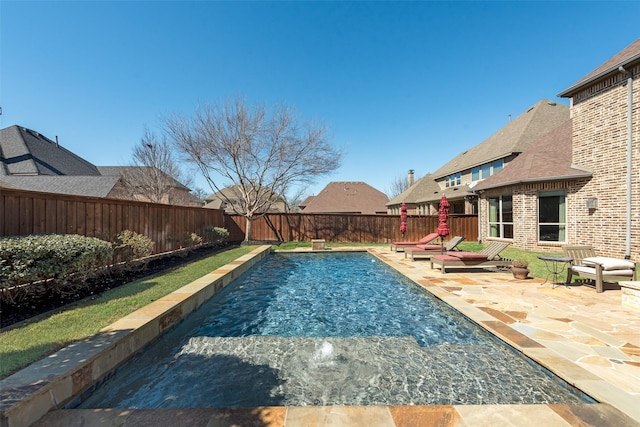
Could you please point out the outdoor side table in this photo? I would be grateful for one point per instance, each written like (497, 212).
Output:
(555, 265)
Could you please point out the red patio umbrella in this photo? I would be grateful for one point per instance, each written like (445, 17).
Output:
(443, 216)
(403, 219)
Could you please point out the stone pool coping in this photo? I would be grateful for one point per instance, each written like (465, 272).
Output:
(53, 382)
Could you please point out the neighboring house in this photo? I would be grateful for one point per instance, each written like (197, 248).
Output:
(458, 177)
(306, 202)
(31, 161)
(348, 198)
(145, 183)
(417, 197)
(231, 201)
(578, 184)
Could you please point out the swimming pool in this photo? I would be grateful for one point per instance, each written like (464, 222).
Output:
(325, 329)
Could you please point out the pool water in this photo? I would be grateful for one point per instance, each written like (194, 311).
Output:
(325, 329)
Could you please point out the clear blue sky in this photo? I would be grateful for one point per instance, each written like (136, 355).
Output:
(401, 85)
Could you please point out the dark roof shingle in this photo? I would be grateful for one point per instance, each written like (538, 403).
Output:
(348, 197)
(548, 159)
(626, 56)
(515, 137)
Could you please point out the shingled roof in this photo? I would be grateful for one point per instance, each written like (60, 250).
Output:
(91, 186)
(515, 137)
(421, 191)
(548, 159)
(31, 161)
(26, 152)
(625, 57)
(348, 197)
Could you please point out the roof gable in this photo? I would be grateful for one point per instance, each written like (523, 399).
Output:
(626, 56)
(141, 174)
(348, 197)
(548, 159)
(515, 137)
(422, 190)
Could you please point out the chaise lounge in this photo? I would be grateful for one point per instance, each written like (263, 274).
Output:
(399, 246)
(598, 269)
(427, 251)
(487, 257)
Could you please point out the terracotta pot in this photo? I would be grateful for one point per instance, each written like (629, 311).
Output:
(520, 272)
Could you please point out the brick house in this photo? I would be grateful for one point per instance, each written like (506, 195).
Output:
(458, 177)
(31, 161)
(578, 185)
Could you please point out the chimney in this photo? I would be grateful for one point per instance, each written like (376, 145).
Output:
(410, 178)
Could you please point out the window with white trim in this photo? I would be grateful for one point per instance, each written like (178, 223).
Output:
(501, 217)
(453, 180)
(552, 216)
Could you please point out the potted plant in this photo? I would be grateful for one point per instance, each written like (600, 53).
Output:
(520, 269)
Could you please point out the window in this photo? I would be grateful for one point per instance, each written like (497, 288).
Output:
(486, 171)
(475, 174)
(501, 217)
(453, 180)
(497, 166)
(552, 216)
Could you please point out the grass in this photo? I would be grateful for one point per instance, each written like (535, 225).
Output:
(31, 341)
(537, 267)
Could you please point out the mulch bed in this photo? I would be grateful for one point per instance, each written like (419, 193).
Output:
(41, 303)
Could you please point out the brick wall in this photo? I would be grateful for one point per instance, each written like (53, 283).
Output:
(525, 213)
(600, 143)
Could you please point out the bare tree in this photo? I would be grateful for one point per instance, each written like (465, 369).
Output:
(397, 187)
(156, 174)
(262, 152)
(199, 195)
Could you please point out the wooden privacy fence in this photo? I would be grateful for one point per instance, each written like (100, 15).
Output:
(28, 212)
(289, 227)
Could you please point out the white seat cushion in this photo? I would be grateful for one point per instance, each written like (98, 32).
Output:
(610, 263)
(580, 269)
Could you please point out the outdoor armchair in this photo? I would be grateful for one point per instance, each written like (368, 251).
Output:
(588, 265)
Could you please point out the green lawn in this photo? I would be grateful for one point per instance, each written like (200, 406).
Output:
(30, 341)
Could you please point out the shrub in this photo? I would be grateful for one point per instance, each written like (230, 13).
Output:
(194, 239)
(139, 245)
(52, 259)
(215, 235)
(520, 263)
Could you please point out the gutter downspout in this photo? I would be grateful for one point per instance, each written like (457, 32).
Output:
(629, 155)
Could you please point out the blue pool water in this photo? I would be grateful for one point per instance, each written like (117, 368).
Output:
(325, 329)
(329, 295)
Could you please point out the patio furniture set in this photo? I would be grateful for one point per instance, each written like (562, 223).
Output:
(580, 261)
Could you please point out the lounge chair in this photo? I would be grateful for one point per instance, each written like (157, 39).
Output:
(426, 251)
(398, 246)
(487, 257)
(598, 269)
